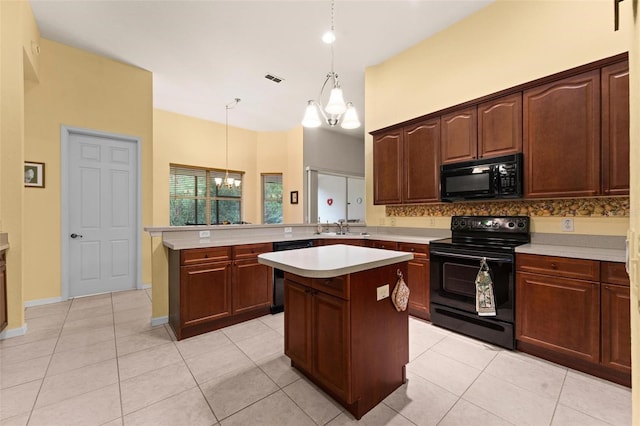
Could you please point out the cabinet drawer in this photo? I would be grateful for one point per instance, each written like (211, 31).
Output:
(336, 286)
(247, 251)
(559, 266)
(204, 255)
(418, 250)
(387, 245)
(614, 273)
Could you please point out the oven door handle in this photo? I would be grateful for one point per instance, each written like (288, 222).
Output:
(472, 257)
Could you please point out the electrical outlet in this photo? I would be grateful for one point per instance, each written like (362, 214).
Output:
(383, 292)
(567, 224)
(393, 221)
(432, 221)
(287, 230)
(205, 234)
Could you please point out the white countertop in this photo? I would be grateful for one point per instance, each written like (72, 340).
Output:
(331, 261)
(592, 253)
(190, 243)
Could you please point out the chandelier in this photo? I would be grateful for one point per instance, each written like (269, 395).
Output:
(228, 182)
(336, 108)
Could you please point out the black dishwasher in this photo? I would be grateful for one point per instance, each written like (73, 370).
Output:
(278, 274)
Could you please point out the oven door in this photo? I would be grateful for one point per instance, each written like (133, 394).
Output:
(453, 275)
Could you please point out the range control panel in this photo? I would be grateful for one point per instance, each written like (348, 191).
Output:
(511, 224)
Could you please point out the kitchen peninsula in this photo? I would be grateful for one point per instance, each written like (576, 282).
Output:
(341, 328)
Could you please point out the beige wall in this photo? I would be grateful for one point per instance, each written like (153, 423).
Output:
(17, 31)
(501, 46)
(82, 90)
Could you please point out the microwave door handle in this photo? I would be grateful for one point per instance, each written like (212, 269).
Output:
(472, 257)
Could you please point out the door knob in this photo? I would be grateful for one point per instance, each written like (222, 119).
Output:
(74, 235)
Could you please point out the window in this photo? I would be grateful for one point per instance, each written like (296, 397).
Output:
(272, 198)
(194, 198)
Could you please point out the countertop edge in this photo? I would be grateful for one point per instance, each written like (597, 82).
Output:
(590, 253)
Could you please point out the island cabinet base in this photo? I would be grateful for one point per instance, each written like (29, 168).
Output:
(346, 341)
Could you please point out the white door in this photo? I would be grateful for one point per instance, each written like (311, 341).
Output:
(102, 214)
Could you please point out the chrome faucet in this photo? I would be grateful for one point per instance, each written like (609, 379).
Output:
(340, 224)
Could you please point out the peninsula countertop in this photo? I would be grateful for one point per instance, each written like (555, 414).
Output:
(332, 261)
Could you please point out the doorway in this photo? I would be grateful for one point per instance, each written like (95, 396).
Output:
(101, 212)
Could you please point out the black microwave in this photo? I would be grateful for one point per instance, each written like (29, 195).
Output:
(487, 178)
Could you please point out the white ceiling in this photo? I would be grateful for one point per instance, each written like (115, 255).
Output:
(203, 54)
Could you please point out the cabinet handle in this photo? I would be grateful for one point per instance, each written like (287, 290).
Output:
(554, 266)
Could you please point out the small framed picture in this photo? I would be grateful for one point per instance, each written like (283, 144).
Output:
(294, 197)
(33, 174)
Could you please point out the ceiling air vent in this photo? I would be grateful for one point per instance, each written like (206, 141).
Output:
(273, 78)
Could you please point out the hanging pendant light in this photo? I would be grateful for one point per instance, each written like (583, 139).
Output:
(228, 181)
(336, 108)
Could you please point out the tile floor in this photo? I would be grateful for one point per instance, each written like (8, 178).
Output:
(97, 361)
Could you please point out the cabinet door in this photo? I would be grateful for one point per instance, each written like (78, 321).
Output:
(500, 126)
(615, 129)
(297, 326)
(559, 314)
(418, 282)
(561, 139)
(387, 167)
(332, 351)
(205, 292)
(459, 140)
(3, 292)
(616, 327)
(381, 244)
(252, 285)
(422, 162)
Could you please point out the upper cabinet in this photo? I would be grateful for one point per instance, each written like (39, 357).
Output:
(387, 167)
(406, 164)
(562, 137)
(500, 126)
(572, 128)
(459, 136)
(421, 162)
(615, 129)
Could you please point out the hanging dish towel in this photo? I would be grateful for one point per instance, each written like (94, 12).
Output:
(400, 295)
(485, 299)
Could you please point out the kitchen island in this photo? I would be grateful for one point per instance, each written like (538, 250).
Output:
(341, 329)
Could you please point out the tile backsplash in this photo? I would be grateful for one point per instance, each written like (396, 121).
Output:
(585, 207)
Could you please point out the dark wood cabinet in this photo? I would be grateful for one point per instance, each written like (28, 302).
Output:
(459, 137)
(205, 293)
(615, 129)
(346, 241)
(421, 155)
(561, 140)
(500, 126)
(418, 279)
(210, 289)
(3, 291)
(353, 346)
(252, 282)
(387, 167)
(406, 164)
(616, 317)
(382, 244)
(575, 312)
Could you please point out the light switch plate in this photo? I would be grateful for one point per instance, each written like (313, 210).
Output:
(205, 234)
(383, 292)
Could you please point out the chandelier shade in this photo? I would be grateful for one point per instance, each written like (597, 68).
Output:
(336, 108)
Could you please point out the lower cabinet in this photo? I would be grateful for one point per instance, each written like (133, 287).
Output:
(349, 343)
(211, 288)
(319, 341)
(418, 279)
(568, 313)
(3, 291)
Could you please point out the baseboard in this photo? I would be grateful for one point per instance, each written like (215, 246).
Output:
(143, 286)
(38, 302)
(14, 332)
(159, 320)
